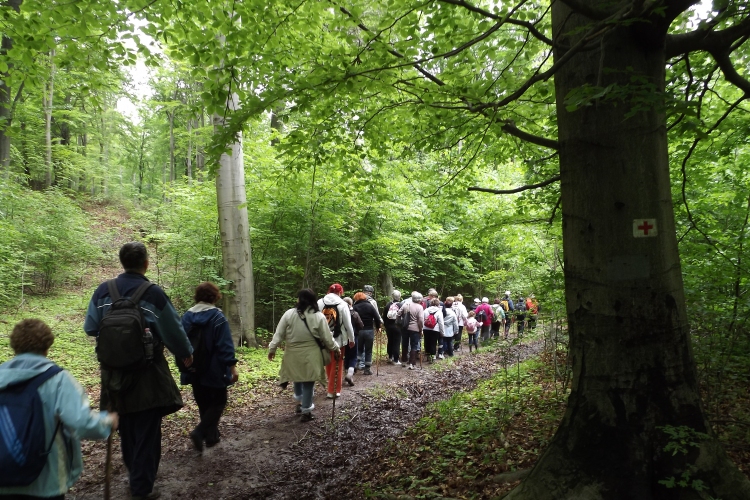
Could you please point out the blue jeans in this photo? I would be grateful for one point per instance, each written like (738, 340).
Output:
(448, 346)
(303, 392)
(364, 347)
(473, 339)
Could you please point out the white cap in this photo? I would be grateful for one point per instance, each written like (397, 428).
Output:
(476, 301)
(485, 300)
(507, 292)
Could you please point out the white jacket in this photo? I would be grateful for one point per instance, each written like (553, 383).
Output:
(461, 313)
(450, 321)
(438, 312)
(347, 332)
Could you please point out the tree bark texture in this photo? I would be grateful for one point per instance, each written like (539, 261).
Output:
(47, 100)
(629, 339)
(6, 98)
(239, 305)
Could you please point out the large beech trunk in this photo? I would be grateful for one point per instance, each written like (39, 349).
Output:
(629, 339)
(235, 240)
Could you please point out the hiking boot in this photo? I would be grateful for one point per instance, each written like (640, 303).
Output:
(298, 409)
(367, 371)
(349, 380)
(155, 493)
(306, 417)
(441, 356)
(197, 442)
(411, 366)
(329, 395)
(397, 362)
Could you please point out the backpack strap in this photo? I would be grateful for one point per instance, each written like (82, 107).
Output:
(136, 297)
(114, 294)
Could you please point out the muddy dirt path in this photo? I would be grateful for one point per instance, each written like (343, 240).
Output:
(266, 452)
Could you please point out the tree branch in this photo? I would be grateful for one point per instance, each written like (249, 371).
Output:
(518, 189)
(730, 72)
(510, 128)
(706, 39)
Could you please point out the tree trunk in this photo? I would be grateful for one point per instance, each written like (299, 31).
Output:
(47, 100)
(7, 102)
(189, 158)
(633, 369)
(235, 240)
(171, 146)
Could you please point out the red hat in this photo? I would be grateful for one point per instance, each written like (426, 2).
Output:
(336, 288)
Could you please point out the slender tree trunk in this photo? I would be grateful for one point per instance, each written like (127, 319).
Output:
(189, 158)
(7, 101)
(171, 146)
(633, 368)
(47, 100)
(235, 238)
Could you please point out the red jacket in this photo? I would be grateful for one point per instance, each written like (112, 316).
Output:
(487, 310)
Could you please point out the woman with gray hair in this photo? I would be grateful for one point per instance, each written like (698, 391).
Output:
(410, 315)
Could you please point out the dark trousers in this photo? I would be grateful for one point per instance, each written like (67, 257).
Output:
(140, 439)
(430, 341)
(350, 354)
(495, 330)
(457, 337)
(394, 341)
(211, 402)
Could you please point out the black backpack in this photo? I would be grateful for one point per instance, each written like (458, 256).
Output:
(124, 342)
(201, 356)
(482, 316)
(23, 447)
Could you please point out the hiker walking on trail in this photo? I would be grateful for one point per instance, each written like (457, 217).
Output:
(369, 291)
(450, 323)
(350, 358)
(214, 367)
(411, 320)
(371, 322)
(433, 328)
(339, 320)
(532, 307)
(508, 306)
(51, 415)
(305, 331)
(472, 327)
(484, 316)
(135, 375)
(392, 330)
(498, 316)
(462, 314)
(520, 313)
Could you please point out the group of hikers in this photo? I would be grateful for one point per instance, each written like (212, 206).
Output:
(44, 411)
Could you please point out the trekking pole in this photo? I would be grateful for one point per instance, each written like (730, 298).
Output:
(377, 352)
(108, 468)
(335, 382)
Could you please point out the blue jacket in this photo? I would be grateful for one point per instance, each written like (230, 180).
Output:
(219, 343)
(153, 386)
(63, 398)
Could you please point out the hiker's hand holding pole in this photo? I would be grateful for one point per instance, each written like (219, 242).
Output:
(271, 355)
(337, 354)
(114, 420)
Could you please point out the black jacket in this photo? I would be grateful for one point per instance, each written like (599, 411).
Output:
(368, 314)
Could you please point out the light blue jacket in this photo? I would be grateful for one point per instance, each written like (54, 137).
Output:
(63, 398)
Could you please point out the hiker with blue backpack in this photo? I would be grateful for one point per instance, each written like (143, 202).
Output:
(44, 414)
(214, 365)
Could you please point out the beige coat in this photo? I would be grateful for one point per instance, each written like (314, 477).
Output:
(302, 361)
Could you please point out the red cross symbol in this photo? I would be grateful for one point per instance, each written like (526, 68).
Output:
(645, 227)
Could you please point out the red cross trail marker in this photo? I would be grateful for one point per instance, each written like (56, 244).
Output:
(645, 228)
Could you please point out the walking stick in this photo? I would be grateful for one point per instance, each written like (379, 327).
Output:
(335, 382)
(108, 468)
(377, 353)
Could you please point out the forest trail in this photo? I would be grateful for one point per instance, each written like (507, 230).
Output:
(266, 452)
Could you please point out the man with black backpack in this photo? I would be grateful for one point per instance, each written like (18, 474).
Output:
(133, 320)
